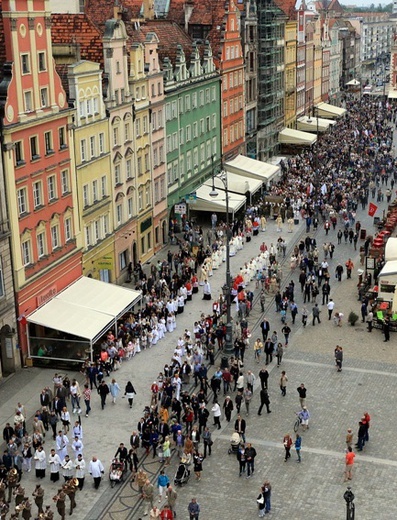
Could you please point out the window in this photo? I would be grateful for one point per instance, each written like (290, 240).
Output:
(169, 143)
(103, 186)
(139, 165)
(119, 214)
(180, 103)
(52, 187)
(202, 128)
(115, 136)
(201, 97)
(42, 64)
(25, 61)
(173, 110)
(86, 197)
(105, 224)
(34, 151)
(207, 95)
(147, 195)
(162, 188)
(101, 143)
(26, 252)
(96, 231)
(213, 93)
(82, 109)
(188, 133)
(123, 260)
(156, 192)
(37, 194)
(44, 97)
(65, 181)
(95, 103)
(187, 102)
(130, 205)
(83, 150)
(181, 141)
(41, 249)
(62, 137)
(87, 236)
(22, 201)
(18, 147)
(88, 106)
(138, 127)
(147, 166)
(92, 146)
(143, 245)
(55, 237)
(160, 119)
(68, 229)
(155, 157)
(159, 89)
(28, 101)
(194, 100)
(213, 121)
(224, 108)
(140, 199)
(188, 161)
(161, 154)
(154, 121)
(127, 131)
(117, 174)
(48, 143)
(174, 141)
(128, 167)
(167, 112)
(94, 191)
(149, 240)
(194, 129)
(145, 124)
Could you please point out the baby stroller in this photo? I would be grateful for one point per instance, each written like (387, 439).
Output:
(182, 475)
(234, 443)
(116, 472)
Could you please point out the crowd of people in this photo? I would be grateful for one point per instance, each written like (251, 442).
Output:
(325, 186)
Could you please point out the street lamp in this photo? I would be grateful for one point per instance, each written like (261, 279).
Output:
(222, 176)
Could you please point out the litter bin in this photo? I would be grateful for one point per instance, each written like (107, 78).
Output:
(224, 362)
(363, 234)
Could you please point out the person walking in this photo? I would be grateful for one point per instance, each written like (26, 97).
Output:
(208, 442)
(267, 493)
(283, 383)
(258, 345)
(280, 353)
(130, 393)
(103, 391)
(114, 390)
(305, 314)
(316, 314)
(338, 358)
(197, 464)
(286, 331)
(216, 410)
(247, 399)
(330, 308)
(240, 426)
(79, 466)
(241, 457)
(287, 442)
(172, 496)
(193, 509)
(265, 401)
(38, 495)
(40, 462)
(386, 328)
(162, 483)
(228, 407)
(261, 503)
(264, 377)
(250, 454)
(96, 469)
(55, 463)
(87, 399)
(298, 447)
(302, 394)
(370, 320)
(349, 462)
(148, 496)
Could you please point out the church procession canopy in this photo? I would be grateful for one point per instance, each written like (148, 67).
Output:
(86, 309)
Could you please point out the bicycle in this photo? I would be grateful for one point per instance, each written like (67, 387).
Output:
(297, 423)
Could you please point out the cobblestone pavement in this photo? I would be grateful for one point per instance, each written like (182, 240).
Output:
(313, 489)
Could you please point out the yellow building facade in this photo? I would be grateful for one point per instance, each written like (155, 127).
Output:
(93, 170)
(139, 88)
(318, 62)
(291, 34)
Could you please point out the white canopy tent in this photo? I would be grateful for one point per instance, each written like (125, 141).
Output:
(330, 111)
(253, 169)
(291, 136)
(392, 94)
(311, 124)
(353, 83)
(86, 309)
(391, 249)
(205, 202)
(237, 184)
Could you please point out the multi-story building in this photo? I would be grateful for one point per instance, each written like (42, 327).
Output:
(291, 35)
(271, 83)
(318, 61)
(249, 37)
(93, 169)
(326, 59)
(301, 63)
(157, 109)
(350, 42)
(335, 61)
(38, 161)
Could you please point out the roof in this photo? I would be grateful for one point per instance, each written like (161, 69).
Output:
(170, 34)
(79, 30)
(88, 307)
(287, 6)
(252, 168)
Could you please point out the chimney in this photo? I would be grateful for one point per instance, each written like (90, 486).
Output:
(188, 7)
(148, 9)
(117, 12)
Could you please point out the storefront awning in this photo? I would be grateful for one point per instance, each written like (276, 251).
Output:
(204, 202)
(251, 168)
(311, 124)
(392, 94)
(390, 268)
(330, 111)
(291, 136)
(391, 249)
(86, 309)
(237, 184)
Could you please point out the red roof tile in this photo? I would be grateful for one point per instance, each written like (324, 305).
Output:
(170, 35)
(77, 29)
(287, 6)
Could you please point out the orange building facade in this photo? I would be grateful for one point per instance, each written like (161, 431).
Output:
(38, 161)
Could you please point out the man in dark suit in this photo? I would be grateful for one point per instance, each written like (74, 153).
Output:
(163, 430)
(134, 440)
(265, 326)
(240, 426)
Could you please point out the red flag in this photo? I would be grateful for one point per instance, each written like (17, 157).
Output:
(372, 209)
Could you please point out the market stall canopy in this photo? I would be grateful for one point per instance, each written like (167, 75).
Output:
(291, 136)
(311, 124)
(205, 202)
(388, 269)
(391, 249)
(87, 308)
(247, 167)
(237, 184)
(330, 111)
(353, 83)
(392, 94)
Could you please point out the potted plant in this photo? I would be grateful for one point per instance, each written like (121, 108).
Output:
(353, 317)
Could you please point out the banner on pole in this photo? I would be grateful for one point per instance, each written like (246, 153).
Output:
(372, 209)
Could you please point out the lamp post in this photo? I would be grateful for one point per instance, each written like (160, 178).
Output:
(226, 289)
